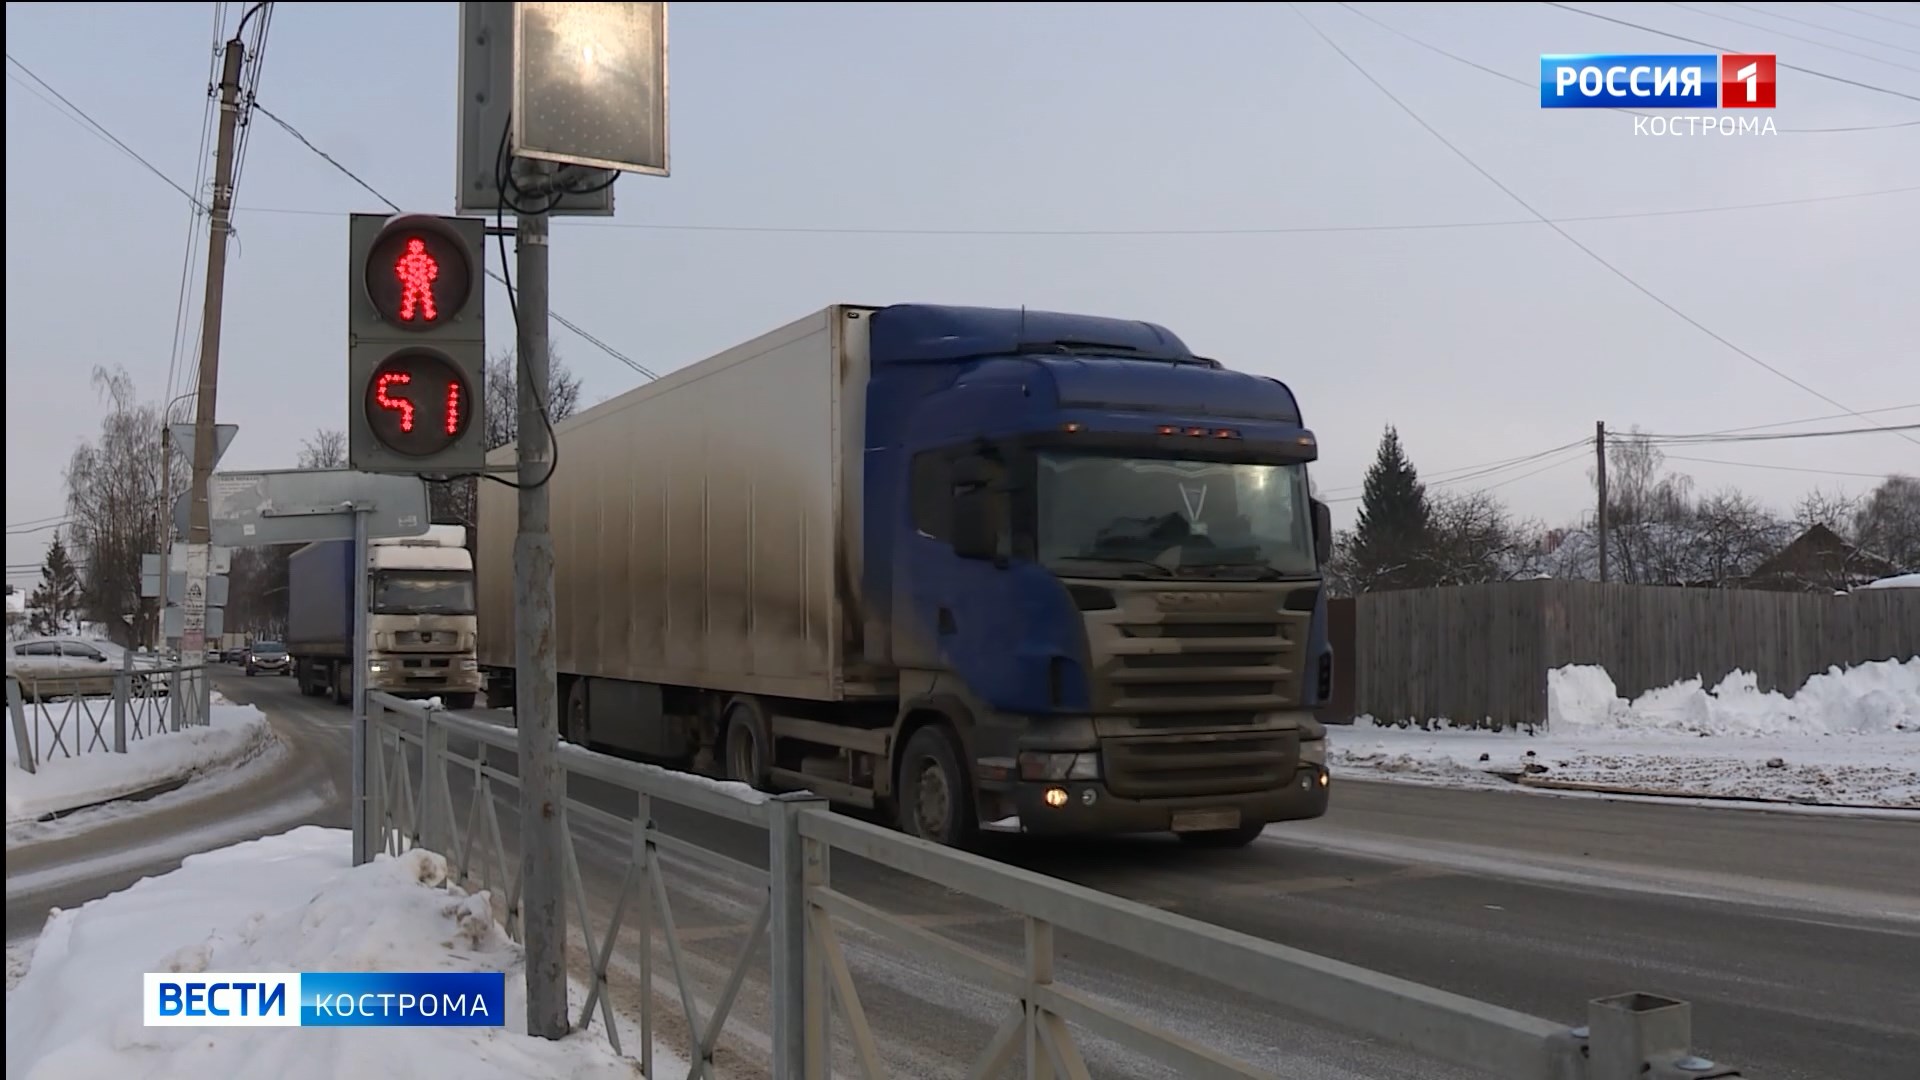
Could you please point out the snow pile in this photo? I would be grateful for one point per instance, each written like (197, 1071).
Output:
(235, 734)
(1848, 738)
(1882, 697)
(291, 902)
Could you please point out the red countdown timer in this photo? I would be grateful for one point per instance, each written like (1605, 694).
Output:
(418, 277)
(418, 403)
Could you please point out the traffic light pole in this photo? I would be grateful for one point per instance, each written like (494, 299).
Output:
(193, 628)
(536, 706)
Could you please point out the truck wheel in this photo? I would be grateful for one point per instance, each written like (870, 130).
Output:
(747, 750)
(342, 685)
(935, 796)
(1223, 839)
(575, 722)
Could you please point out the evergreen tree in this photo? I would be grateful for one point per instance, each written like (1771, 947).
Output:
(57, 599)
(1391, 541)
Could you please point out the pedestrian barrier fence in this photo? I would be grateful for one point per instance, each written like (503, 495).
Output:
(416, 751)
(67, 715)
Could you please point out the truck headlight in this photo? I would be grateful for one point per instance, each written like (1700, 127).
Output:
(1314, 753)
(468, 663)
(376, 666)
(1041, 766)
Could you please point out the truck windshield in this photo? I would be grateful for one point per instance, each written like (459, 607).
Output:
(1108, 516)
(417, 593)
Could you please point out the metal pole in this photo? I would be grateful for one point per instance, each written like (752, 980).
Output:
(193, 629)
(166, 531)
(362, 835)
(1600, 482)
(536, 711)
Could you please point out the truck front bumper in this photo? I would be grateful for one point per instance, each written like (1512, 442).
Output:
(405, 682)
(1080, 807)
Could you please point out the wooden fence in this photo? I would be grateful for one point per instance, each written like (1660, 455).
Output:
(1480, 653)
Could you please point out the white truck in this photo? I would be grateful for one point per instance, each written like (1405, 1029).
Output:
(420, 619)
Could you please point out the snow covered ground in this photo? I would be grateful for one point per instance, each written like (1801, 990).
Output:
(1846, 738)
(235, 734)
(290, 902)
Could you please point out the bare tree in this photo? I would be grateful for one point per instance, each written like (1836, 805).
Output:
(1473, 540)
(326, 449)
(1834, 509)
(1889, 524)
(457, 501)
(1648, 513)
(1731, 534)
(257, 590)
(113, 505)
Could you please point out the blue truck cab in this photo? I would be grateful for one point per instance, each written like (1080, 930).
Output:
(1093, 560)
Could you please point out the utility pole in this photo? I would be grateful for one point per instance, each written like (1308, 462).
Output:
(1600, 482)
(536, 706)
(166, 530)
(193, 627)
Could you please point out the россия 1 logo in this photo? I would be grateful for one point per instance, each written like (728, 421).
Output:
(1719, 81)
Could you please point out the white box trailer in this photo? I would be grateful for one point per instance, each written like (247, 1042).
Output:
(706, 526)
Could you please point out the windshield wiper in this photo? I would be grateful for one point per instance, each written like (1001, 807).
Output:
(1124, 560)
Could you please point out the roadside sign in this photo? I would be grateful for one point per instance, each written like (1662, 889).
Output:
(183, 440)
(177, 587)
(302, 506)
(213, 624)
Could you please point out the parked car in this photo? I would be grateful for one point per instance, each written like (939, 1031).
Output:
(54, 667)
(269, 657)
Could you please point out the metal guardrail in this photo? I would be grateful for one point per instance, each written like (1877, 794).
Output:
(66, 716)
(1627, 1037)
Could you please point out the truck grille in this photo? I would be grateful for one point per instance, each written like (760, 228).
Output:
(1182, 766)
(1213, 661)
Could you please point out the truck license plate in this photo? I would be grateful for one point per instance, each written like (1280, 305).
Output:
(1205, 820)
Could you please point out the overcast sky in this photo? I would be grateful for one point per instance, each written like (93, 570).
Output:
(828, 153)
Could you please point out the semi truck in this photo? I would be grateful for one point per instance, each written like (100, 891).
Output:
(420, 619)
(968, 568)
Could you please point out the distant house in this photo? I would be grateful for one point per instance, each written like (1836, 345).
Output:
(1818, 560)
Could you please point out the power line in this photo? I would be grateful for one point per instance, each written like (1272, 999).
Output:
(61, 524)
(1723, 48)
(1876, 15)
(1277, 230)
(1779, 436)
(96, 125)
(1476, 65)
(1823, 27)
(1569, 237)
(1780, 468)
(1814, 419)
(1485, 468)
(1793, 37)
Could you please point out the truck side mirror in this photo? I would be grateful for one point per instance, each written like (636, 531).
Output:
(1322, 533)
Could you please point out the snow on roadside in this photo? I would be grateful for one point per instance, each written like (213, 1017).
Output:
(1847, 738)
(291, 902)
(236, 733)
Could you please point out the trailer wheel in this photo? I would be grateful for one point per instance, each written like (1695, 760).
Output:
(935, 797)
(575, 722)
(747, 750)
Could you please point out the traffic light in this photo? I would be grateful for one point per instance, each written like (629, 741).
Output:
(417, 345)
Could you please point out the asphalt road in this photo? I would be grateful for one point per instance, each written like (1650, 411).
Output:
(1795, 937)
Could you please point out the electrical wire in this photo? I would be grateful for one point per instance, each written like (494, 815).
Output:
(1779, 468)
(1476, 65)
(1823, 28)
(98, 127)
(1725, 49)
(1569, 237)
(1487, 468)
(1875, 15)
(1779, 436)
(1775, 32)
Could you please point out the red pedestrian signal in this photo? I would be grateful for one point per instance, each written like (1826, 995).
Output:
(416, 344)
(418, 275)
